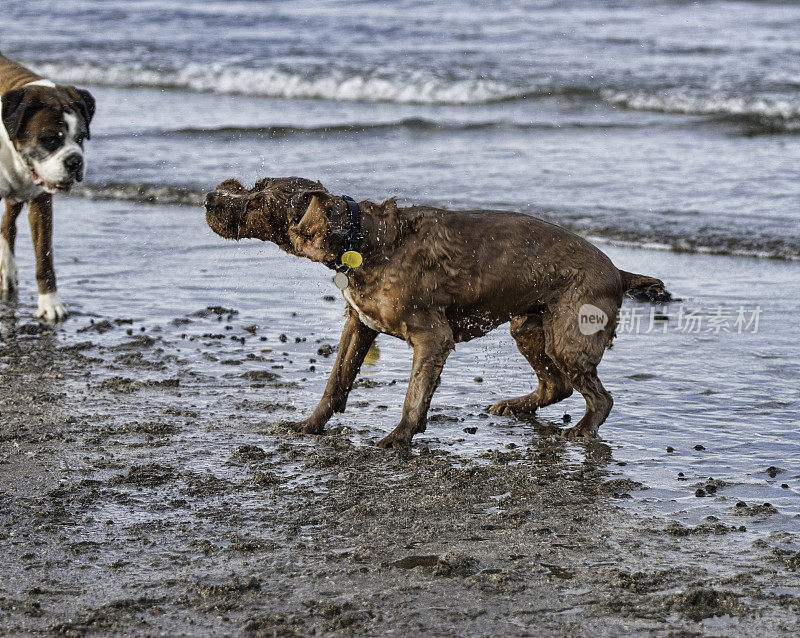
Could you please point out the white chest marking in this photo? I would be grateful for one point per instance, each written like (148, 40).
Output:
(367, 321)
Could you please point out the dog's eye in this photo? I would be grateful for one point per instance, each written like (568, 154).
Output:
(79, 140)
(51, 141)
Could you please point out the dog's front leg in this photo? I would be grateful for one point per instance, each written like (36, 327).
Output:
(8, 236)
(40, 215)
(432, 345)
(353, 347)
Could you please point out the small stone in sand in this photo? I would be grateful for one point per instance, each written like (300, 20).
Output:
(248, 453)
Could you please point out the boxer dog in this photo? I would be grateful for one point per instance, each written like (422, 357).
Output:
(42, 130)
(433, 278)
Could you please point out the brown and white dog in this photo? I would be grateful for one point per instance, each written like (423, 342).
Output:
(43, 126)
(434, 278)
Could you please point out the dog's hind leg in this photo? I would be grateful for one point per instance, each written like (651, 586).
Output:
(598, 404)
(577, 354)
(432, 345)
(8, 236)
(553, 387)
(353, 347)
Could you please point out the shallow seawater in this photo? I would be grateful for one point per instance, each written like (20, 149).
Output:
(733, 394)
(657, 122)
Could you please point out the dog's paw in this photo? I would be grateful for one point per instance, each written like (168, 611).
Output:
(8, 270)
(511, 407)
(501, 408)
(51, 310)
(395, 442)
(578, 431)
(308, 427)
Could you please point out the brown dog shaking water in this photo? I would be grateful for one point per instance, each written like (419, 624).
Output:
(434, 278)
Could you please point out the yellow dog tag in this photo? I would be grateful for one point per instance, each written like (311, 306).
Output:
(352, 258)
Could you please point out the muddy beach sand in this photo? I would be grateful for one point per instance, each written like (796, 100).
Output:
(149, 485)
(129, 508)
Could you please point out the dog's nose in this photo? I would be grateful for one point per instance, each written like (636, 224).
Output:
(74, 164)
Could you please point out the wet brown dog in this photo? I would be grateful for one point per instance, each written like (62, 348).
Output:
(434, 278)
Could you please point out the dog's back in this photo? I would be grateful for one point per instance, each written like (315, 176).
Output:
(14, 75)
(504, 259)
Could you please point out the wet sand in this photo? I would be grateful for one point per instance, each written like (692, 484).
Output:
(149, 484)
(130, 509)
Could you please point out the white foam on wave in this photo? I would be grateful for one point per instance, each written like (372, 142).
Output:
(682, 102)
(414, 88)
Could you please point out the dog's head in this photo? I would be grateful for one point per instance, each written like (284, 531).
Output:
(47, 126)
(297, 214)
(321, 233)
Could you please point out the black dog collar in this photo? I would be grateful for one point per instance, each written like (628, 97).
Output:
(354, 234)
(349, 258)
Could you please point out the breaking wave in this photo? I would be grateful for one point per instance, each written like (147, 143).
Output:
(757, 115)
(416, 88)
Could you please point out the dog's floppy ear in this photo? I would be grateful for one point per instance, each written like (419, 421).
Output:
(85, 104)
(18, 107)
(302, 200)
(314, 222)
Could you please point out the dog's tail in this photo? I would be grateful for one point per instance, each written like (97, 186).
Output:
(632, 281)
(644, 288)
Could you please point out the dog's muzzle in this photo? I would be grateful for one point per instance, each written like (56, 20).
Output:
(74, 165)
(225, 213)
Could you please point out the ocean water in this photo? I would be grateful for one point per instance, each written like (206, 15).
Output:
(644, 125)
(671, 123)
